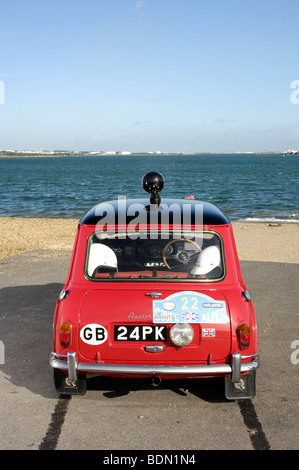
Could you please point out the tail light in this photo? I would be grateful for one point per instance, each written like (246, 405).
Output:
(65, 332)
(243, 333)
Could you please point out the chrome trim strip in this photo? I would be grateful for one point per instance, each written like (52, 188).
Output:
(248, 357)
(74, 367)
(56, 355)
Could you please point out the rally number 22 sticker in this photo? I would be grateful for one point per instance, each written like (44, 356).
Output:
(93, 334)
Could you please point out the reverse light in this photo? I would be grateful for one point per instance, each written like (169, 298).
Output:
(243, 333)
(65, 332)
(181, 334)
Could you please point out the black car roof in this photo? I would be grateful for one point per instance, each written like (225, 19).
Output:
(124, 211)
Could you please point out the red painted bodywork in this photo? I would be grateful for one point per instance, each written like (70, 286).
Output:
(110, 303)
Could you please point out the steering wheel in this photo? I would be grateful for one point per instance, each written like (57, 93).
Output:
(180, 255)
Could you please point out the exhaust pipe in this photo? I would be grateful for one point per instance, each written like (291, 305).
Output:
(156, 381)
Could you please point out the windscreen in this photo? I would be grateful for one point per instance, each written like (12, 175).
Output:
(154, 256)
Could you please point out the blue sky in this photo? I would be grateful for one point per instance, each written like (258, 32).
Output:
(152, 75)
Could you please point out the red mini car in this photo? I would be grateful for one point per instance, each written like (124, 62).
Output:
(154, 289)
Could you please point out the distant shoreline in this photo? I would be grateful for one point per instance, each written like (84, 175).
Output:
(127, 154)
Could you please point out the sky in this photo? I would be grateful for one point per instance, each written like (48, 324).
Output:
(152, 75)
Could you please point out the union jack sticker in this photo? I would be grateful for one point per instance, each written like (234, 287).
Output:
(190, 316)
(208, 332)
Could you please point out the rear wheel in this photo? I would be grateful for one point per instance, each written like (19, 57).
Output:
(64, 386)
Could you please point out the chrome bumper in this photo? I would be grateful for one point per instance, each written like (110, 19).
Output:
(235, 369)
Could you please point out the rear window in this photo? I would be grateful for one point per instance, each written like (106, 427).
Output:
(154, 255)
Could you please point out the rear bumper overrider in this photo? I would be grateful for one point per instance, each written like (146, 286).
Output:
(70, 363)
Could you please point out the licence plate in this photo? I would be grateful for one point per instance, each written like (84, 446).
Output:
(140, 333)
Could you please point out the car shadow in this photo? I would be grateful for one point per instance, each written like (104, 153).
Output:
(210, 390)
(26, 318)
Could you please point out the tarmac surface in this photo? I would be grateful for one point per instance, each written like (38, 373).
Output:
(122, 414)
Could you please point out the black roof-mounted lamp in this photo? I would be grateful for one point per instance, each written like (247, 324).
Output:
(153, 183)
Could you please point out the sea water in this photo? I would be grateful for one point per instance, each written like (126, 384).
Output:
(251, 187)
